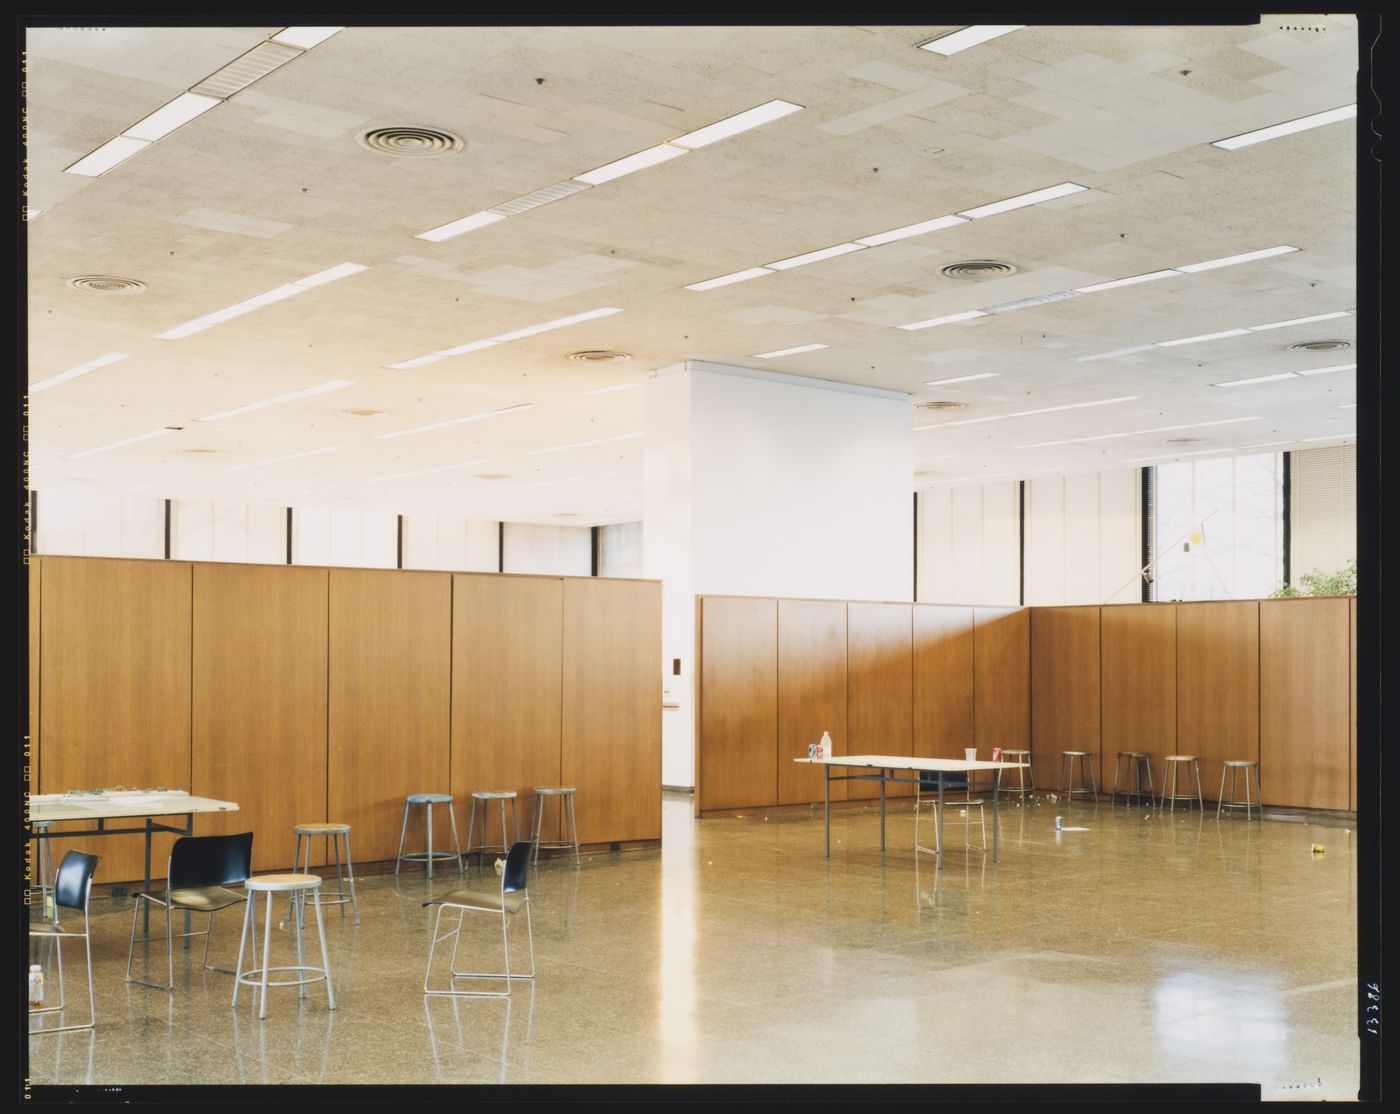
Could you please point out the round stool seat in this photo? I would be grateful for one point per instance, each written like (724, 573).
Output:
(1180, 758)
(321, 829)
(275, 883)
(493, 794)
(1076, 753)
(429, 798)
(1132, 754)
(554, 790)
(1242, 762)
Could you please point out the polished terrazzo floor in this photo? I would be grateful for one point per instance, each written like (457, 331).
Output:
(1151, 947)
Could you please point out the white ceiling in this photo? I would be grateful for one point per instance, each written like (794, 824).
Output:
(272, 186)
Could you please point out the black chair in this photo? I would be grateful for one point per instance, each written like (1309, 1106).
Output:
(72, 887)
(200, 867)
(512, 898)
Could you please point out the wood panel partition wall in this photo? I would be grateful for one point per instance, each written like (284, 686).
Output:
(881, 688)
(1065, 696)
(943, 681)
(811, 694)
(32, 727)
(738, 703)
(1304, 704)
(1217, 671)
(507, 690)
(390, 677)
(258, 704)
(611, 745)
(1139, 685)
(1002, 679)
(1352, 716)
(115, 689)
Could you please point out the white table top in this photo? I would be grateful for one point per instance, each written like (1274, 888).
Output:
(169, 802)
(904, 762)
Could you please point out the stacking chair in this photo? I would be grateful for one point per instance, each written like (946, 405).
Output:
(200, 867)
(72, 888)
(512, 897)
(927, 792)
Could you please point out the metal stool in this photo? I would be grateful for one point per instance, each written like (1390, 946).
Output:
(564, 794)
(298, 886)
(428, 856)
(1067, 787)
(1136, 759)
(484, 797)
(335, 833)
(1174, 762)
(1246, 765)
(43, 864)
(1020, 788)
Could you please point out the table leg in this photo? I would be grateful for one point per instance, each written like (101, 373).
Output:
(828, 812)
(939, 856)
(146, 915)
(267, 952)
(996, 813)
(884, 774)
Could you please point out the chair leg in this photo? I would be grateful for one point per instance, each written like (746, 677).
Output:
(536, 819)
(1220, 801)
(403, 831)
(573, 829)
(1200, 798)
(429, 824)
(325, 958)
(350, 877)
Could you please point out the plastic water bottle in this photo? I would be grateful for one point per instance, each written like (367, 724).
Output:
(1057, 823)
(36, 987)
(826, 744)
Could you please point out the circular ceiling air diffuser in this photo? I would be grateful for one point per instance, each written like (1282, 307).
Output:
(411, 142)
(942, 404)
(978, 268)
(600, 356)
(1319, 345)
(106, 284)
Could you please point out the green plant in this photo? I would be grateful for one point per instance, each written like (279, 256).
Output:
(1317, 583)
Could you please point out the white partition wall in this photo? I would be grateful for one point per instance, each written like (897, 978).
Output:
(547, 550)
(1323, 515)
(1083, 539)
(770, 485)
(359, 539)
(82, 521)
(454, 544)
(222, 531)
(969, 544)
(620, 549)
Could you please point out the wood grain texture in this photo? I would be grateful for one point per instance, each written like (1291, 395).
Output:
(612, 707)
(1139, 684)
(259, 704)
(943, 681)
(115, 689)
(1217, 671)
(1065, 691)
(1001, 681)
(507, 690)
(739, 714)
(1352, 609)
(880, 709)
(811, 694)
(1304, 704)
(31, 772)
(389, 684)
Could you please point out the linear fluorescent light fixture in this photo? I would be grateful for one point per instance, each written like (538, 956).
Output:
(1256, 379)
(586, 444)
(429, 471)
(652, 156)
(1290, 127)
(74, 372)
(962, 379)
(455, 421)
(813, 256)
(950, 319)
(517, 334)
(733, 125)
(1231, 260)
(283, 459)
(788, 351)
(908, 230)
(1035, 197)
(238, 75)
(611, 389)
(1347, 406)
(1174, 456)
(1327, 370)
(162, 432)
(1150, 276)
(737, 276)
(957, 41)
(457, 227)
(305, 38)
(1203, 336)
(291, 396)
(1330, 437)
(248, 305)
(1300, 321)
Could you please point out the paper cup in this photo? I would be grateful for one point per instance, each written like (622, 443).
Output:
(971, 753)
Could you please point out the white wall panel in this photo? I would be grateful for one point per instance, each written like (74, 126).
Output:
(1081, 539)
(379, 540)
(311, 536)
(1323, 515)
(191, 530)
(1045, 541)
(59, 520)
(483, 547)
(1001, 544)
(620, 549)
(267, 535)
(230, 534)
(143, 527)
(967, 545)
(1120, 536)
(936, 545)
(553, 550)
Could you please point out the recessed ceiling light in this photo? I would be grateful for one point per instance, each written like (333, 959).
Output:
(1203, 336)
(1037, 300)
(813, 256)
(1256, 379)
(1020, 201)
(911, 230)
(74, 372)
(457, 227)
(110, 154)
(737, 276)
(30, 214)
(517, 334)
(950, 319)
(962, 379)
(162, 432)
(956, 41)
(305, 37)
(586, 444)
(283, 459)
(940, 404)
(1290, 127)
(1331, 437)
(734, 125)
(788, 351)
(1326, 370)
(1231, 260)
(1150, 276)
(290, 396)
(611, 389)
(455, 421)
(652, 156)
(429, 471)
(167, 118)
(1347, 406)
(248, 305)
(1300, 321)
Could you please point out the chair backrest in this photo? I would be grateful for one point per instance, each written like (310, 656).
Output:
(210, 860)
(517, 859)
(928, 782)
(74, 878)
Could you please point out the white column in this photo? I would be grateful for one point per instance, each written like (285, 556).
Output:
(761, 484)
